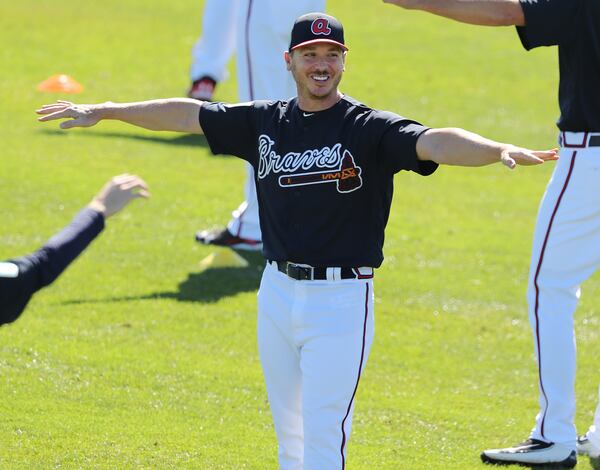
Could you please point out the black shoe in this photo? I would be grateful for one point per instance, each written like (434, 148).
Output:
(532, 453)
(223, 237)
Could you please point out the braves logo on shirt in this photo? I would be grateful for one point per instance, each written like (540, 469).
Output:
(325, 165)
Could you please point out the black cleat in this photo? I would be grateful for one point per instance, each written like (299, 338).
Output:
(223, 237)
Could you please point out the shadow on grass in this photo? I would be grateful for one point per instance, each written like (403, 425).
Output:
(186, 140)
(210, 285)
(595, 464)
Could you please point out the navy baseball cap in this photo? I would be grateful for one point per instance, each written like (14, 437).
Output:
(16, 290)
(317, 27)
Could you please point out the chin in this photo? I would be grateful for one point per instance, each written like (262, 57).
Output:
(321, 94)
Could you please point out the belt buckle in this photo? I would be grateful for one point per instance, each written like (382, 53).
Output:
(300, 273)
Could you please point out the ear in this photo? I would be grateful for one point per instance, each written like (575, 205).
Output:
(288, 60)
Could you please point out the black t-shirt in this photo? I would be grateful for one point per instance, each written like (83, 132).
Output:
(573, 26)
(324, 180)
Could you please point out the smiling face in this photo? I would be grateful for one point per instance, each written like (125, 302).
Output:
(317, 69)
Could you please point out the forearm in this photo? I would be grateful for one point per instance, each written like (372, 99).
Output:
(453, 146)
(174, 114)
(479, 12)
(60, 251)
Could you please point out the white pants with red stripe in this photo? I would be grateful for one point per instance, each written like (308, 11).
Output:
(213, 49)
(263, 35)
(566, 252)
(314, 339)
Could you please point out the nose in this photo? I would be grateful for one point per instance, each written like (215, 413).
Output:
(321, 64)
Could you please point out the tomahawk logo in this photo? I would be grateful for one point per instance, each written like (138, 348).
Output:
(320, 26)
(331, 166)
(347, 176)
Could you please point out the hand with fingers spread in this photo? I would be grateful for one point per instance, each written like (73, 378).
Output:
(170, 114)
(117, 193)
(455, 146)
(80, 115)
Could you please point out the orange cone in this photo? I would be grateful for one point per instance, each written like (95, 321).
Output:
(60, 84)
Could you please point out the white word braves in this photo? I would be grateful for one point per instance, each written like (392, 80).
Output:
(269, 161)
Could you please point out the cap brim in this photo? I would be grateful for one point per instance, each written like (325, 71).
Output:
(315, 41)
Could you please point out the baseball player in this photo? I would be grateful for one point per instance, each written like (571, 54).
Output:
(22, 277)
(566, 245)
(324, 166)
(263, 33)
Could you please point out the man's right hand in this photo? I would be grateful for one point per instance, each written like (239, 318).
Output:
(81, 115)
(171, 114)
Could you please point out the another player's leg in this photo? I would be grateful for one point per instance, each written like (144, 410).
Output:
(566, 252)
(263, 34)
(336, 340)
(243, 230)
(280, 362)
(213, 49)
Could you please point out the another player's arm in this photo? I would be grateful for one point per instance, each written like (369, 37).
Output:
(480, 12)
(452, 146)
(173, 114)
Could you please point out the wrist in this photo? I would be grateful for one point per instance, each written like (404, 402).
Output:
(107, 110)
(97, 206)
(506, 149)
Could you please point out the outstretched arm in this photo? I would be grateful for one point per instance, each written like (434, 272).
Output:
(452, 146)
(173, 114)
(58, 253)
(20, 278)
(480, 12)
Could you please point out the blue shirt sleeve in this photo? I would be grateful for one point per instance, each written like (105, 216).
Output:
(60, 251)
(42, 267)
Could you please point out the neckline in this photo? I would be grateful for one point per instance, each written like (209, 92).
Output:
(310, 115)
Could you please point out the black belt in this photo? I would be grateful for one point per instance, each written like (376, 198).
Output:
(316, 273)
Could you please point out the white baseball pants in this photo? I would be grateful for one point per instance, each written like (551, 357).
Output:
(566, 252)
(314, 339)
(214, 48)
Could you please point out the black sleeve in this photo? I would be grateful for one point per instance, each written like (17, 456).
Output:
(65, 246)
(231, 129)
(548, 22)
(398, 145)
(42, 267)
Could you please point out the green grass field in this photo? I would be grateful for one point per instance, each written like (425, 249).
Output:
(136, 358)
